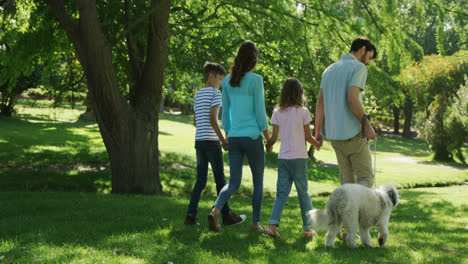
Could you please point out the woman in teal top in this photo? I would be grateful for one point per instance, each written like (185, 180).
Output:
(244, 107)
(244, 120)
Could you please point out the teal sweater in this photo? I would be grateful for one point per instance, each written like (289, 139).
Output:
(244, 112)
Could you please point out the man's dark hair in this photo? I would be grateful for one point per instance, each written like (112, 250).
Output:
(363, 41)
(212, 67)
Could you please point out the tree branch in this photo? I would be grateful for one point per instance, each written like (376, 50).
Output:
(194, 25)
(283, 13)
(458, 12)
(67, 22)
(148, 90)
(129, 28)
(132, 53)
(372, 18)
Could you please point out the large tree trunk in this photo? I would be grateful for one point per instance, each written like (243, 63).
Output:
(396, 120)
(135, 160)
(7, 103)
(408, 111)
(129, 131)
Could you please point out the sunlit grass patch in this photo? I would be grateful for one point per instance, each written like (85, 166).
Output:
(428, 226)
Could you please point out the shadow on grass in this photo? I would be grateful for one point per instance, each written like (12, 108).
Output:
(48, 143)
(451, 164)
(323, 172)
(47, 179)
(33, 222)
(407, 147)
(423, 225)
(151, 228)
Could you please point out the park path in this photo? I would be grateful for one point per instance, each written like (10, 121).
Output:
(408, 159)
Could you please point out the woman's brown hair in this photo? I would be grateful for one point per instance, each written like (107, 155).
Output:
(292, 94)
(245, 61)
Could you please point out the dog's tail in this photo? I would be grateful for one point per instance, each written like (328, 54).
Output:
(318, 219)
(333, 217)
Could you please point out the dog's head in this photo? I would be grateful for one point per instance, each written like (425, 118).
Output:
(392, 193)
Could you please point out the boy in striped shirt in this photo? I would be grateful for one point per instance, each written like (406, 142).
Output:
(208, 142)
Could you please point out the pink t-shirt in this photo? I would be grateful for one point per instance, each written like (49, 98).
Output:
(291, 123)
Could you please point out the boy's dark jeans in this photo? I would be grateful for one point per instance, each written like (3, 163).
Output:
(208, 151)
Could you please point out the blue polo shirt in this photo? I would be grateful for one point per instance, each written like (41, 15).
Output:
(340, 122)
(244, 112)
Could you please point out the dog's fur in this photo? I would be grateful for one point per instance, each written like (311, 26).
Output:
(354, 206)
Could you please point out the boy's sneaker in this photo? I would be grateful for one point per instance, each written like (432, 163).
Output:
(191, 220)
(233, 219)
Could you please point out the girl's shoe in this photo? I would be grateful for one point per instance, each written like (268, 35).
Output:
(310, 233)
(257, 228)
(272, 233)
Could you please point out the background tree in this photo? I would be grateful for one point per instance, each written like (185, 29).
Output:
(434, 85)
(131, 51)
(129, 127)
(19, 65)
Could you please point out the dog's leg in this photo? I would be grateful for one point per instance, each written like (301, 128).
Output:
(350, 221)
(383, 235)
(331, 234)
(365, 236)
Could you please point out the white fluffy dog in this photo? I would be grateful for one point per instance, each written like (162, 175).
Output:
(354, 206)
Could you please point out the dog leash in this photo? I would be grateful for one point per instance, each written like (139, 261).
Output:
(363, 124)
(374, 168)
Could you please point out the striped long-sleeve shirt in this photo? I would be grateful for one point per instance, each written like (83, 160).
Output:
(205, 99)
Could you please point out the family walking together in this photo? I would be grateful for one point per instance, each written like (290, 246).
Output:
(339, 117)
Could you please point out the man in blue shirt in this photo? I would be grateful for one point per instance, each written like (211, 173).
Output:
(340, 105)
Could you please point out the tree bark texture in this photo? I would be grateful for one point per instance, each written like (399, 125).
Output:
(408, 111)
(129, 131)
(396, 120)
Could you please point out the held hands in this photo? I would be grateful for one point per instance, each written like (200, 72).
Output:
(317, 146)
(269, 145)
(319, 139)
(224, 144)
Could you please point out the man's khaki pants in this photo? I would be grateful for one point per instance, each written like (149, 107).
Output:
(354, 160)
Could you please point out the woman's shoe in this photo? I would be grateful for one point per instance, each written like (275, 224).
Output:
(213, 224)
(272, 233)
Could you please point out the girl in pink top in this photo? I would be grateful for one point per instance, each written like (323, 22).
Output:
(291, 119)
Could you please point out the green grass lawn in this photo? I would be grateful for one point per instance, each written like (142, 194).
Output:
(44, 148)
(428, 226)
(51, 150)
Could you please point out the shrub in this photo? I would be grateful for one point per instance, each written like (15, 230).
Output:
(447, 127)
(435, 131)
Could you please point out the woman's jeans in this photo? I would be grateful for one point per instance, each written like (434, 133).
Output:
(253, 149)
(289, 171)
(207, 151)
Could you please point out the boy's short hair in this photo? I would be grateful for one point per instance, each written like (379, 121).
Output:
(363, 41)
(212, 67)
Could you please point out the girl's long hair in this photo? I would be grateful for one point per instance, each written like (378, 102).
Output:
(245, 61)
(292, 94)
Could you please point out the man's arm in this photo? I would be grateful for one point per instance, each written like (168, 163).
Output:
(309, 138)
(215, 125)
(358, 110)
(319, 115)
